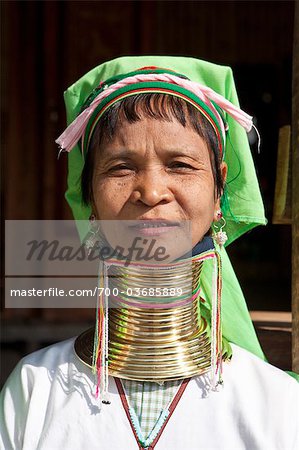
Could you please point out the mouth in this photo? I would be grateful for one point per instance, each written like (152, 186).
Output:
(156, 227)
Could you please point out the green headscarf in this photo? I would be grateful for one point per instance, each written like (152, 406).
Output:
(245, 204)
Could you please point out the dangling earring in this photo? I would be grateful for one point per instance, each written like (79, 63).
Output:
(220, 236)
(92, 235)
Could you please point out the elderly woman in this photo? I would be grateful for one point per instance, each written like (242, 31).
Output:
(153, 147)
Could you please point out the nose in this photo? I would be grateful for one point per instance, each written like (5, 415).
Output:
(151, 188)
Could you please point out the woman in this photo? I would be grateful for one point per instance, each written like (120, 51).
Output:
(156, 152)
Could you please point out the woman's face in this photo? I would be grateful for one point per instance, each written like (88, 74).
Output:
(159, 171)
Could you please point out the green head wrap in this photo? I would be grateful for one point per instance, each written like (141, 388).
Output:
(245, 204)
(136, 86)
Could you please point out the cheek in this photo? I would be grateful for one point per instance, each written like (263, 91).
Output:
(109, 198)
(197, 198)
(202, 214)
(199, 205)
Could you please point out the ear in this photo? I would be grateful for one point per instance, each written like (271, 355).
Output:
(93, 215)
(217, 209)
(93, 207)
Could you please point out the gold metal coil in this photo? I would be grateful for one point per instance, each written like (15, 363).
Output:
(174, 275)
(153, 313)
(168, 322)
(144, 366)
(142, 348)
(139, 352)
(152, 320)
(131, 355)
(160, 377)
(153, 344)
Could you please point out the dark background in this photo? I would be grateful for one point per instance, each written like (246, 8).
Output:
(48, 45)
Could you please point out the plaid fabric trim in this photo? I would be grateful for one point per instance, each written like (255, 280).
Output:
(148, 400)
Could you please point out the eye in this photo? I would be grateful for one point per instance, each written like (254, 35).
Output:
(181, 166)
(121, 169)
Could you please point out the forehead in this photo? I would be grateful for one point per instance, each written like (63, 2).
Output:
(162, 107)
(161, 135)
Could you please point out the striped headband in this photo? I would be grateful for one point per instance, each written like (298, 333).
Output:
(151, 80)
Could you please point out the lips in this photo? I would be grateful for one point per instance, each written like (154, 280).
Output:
(156, 227)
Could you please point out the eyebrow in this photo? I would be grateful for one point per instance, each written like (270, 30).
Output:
(122, 153)
(128, 153)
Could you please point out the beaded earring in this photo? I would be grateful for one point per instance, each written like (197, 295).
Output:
(92, 235)
(220, 236)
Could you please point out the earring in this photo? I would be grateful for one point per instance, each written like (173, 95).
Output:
(219, 235)
(92, 235)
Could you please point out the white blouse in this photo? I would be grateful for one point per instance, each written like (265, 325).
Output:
(48, 404)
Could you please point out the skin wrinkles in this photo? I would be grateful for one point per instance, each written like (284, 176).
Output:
(156, 169)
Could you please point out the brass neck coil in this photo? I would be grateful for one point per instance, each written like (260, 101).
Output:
(154, 343)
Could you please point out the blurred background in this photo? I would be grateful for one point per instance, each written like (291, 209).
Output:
(47, 45)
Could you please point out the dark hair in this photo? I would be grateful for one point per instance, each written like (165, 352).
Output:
(154, 106)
